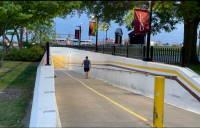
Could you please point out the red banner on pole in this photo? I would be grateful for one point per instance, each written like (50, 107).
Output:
(92, 27)
(141, 21)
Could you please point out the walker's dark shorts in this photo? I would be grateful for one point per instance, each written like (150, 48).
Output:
(86, 69)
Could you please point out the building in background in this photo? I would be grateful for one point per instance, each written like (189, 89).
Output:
(60, 41)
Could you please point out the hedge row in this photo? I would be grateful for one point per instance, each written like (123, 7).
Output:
(33, 53)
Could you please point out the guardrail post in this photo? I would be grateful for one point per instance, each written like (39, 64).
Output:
(183, 57)
(47, 49)
(126, 50)
(158, 111)
(113, 49)
(144, 52)
(151, 52)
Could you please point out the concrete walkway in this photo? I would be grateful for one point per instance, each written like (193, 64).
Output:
(94, 103)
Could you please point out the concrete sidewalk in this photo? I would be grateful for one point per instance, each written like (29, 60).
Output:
(94, 103)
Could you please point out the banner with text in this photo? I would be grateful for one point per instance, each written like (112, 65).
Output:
(141, 21)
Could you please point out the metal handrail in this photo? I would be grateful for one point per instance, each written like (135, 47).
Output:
(131, 70)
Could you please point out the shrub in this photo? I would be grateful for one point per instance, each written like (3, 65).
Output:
(33, 53)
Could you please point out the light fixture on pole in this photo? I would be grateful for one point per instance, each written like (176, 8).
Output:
(97, 27)
(96, 18)
(106, 29)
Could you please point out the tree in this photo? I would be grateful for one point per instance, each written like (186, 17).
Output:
(20, 14)
(191, 17)
(107, 11)
(17, 15)
(41, 32)
(10, 15)
(166, 14)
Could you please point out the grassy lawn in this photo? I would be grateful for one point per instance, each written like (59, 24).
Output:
(16, 88)
(195, 68)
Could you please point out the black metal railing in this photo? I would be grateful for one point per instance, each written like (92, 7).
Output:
(136, 51)
(198, 52)
(162, 54)
(169, 55)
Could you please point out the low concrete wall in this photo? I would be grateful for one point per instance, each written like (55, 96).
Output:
(44, 111)
(138, 82)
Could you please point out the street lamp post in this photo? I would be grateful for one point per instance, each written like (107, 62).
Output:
(106, 29)
(47, 54)
(106, 35)
(199, 46)
(97, 23)
(96, 17)
(149, 34)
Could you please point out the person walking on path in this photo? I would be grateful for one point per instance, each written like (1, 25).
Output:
(87, 65)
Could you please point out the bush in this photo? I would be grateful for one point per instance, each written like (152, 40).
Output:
(33, 53)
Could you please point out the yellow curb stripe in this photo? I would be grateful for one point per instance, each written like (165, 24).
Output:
(154, 69)
(162, 70)
(112, 101)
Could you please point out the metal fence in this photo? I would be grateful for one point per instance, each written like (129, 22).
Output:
(198, 52)
(169, 55)
(162, 54)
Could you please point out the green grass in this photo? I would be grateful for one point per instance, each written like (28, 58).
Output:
(16, 86)
(195, 68)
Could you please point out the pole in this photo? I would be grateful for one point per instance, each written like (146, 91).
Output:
(26, 36)
(80, 35)
(127, 49)
(183, 56)
(97, 22)
(199, 47)
(158, 112)
(47, 48)
(40, 37)
(106, 35)
(149, 35)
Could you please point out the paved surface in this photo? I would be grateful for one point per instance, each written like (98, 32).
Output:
(94, 103)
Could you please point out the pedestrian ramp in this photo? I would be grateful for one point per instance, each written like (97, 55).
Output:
(95, 103)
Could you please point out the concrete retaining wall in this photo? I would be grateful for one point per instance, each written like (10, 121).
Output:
(44, 111)
(138, 82)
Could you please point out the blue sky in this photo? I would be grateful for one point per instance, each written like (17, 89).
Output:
(68, 25)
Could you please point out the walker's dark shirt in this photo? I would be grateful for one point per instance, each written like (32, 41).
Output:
(86, 63)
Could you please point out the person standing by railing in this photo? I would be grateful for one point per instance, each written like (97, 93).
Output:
(87, 65)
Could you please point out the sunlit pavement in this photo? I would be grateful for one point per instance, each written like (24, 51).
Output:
(94, 103)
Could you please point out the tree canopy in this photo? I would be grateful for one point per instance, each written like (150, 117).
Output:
(22, 14)
(166, 14)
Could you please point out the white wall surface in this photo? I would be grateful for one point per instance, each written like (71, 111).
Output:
(44, 111)
(134, 81)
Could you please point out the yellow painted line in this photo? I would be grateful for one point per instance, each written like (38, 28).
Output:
(145, 67)
(112, 101)
(189, 82)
